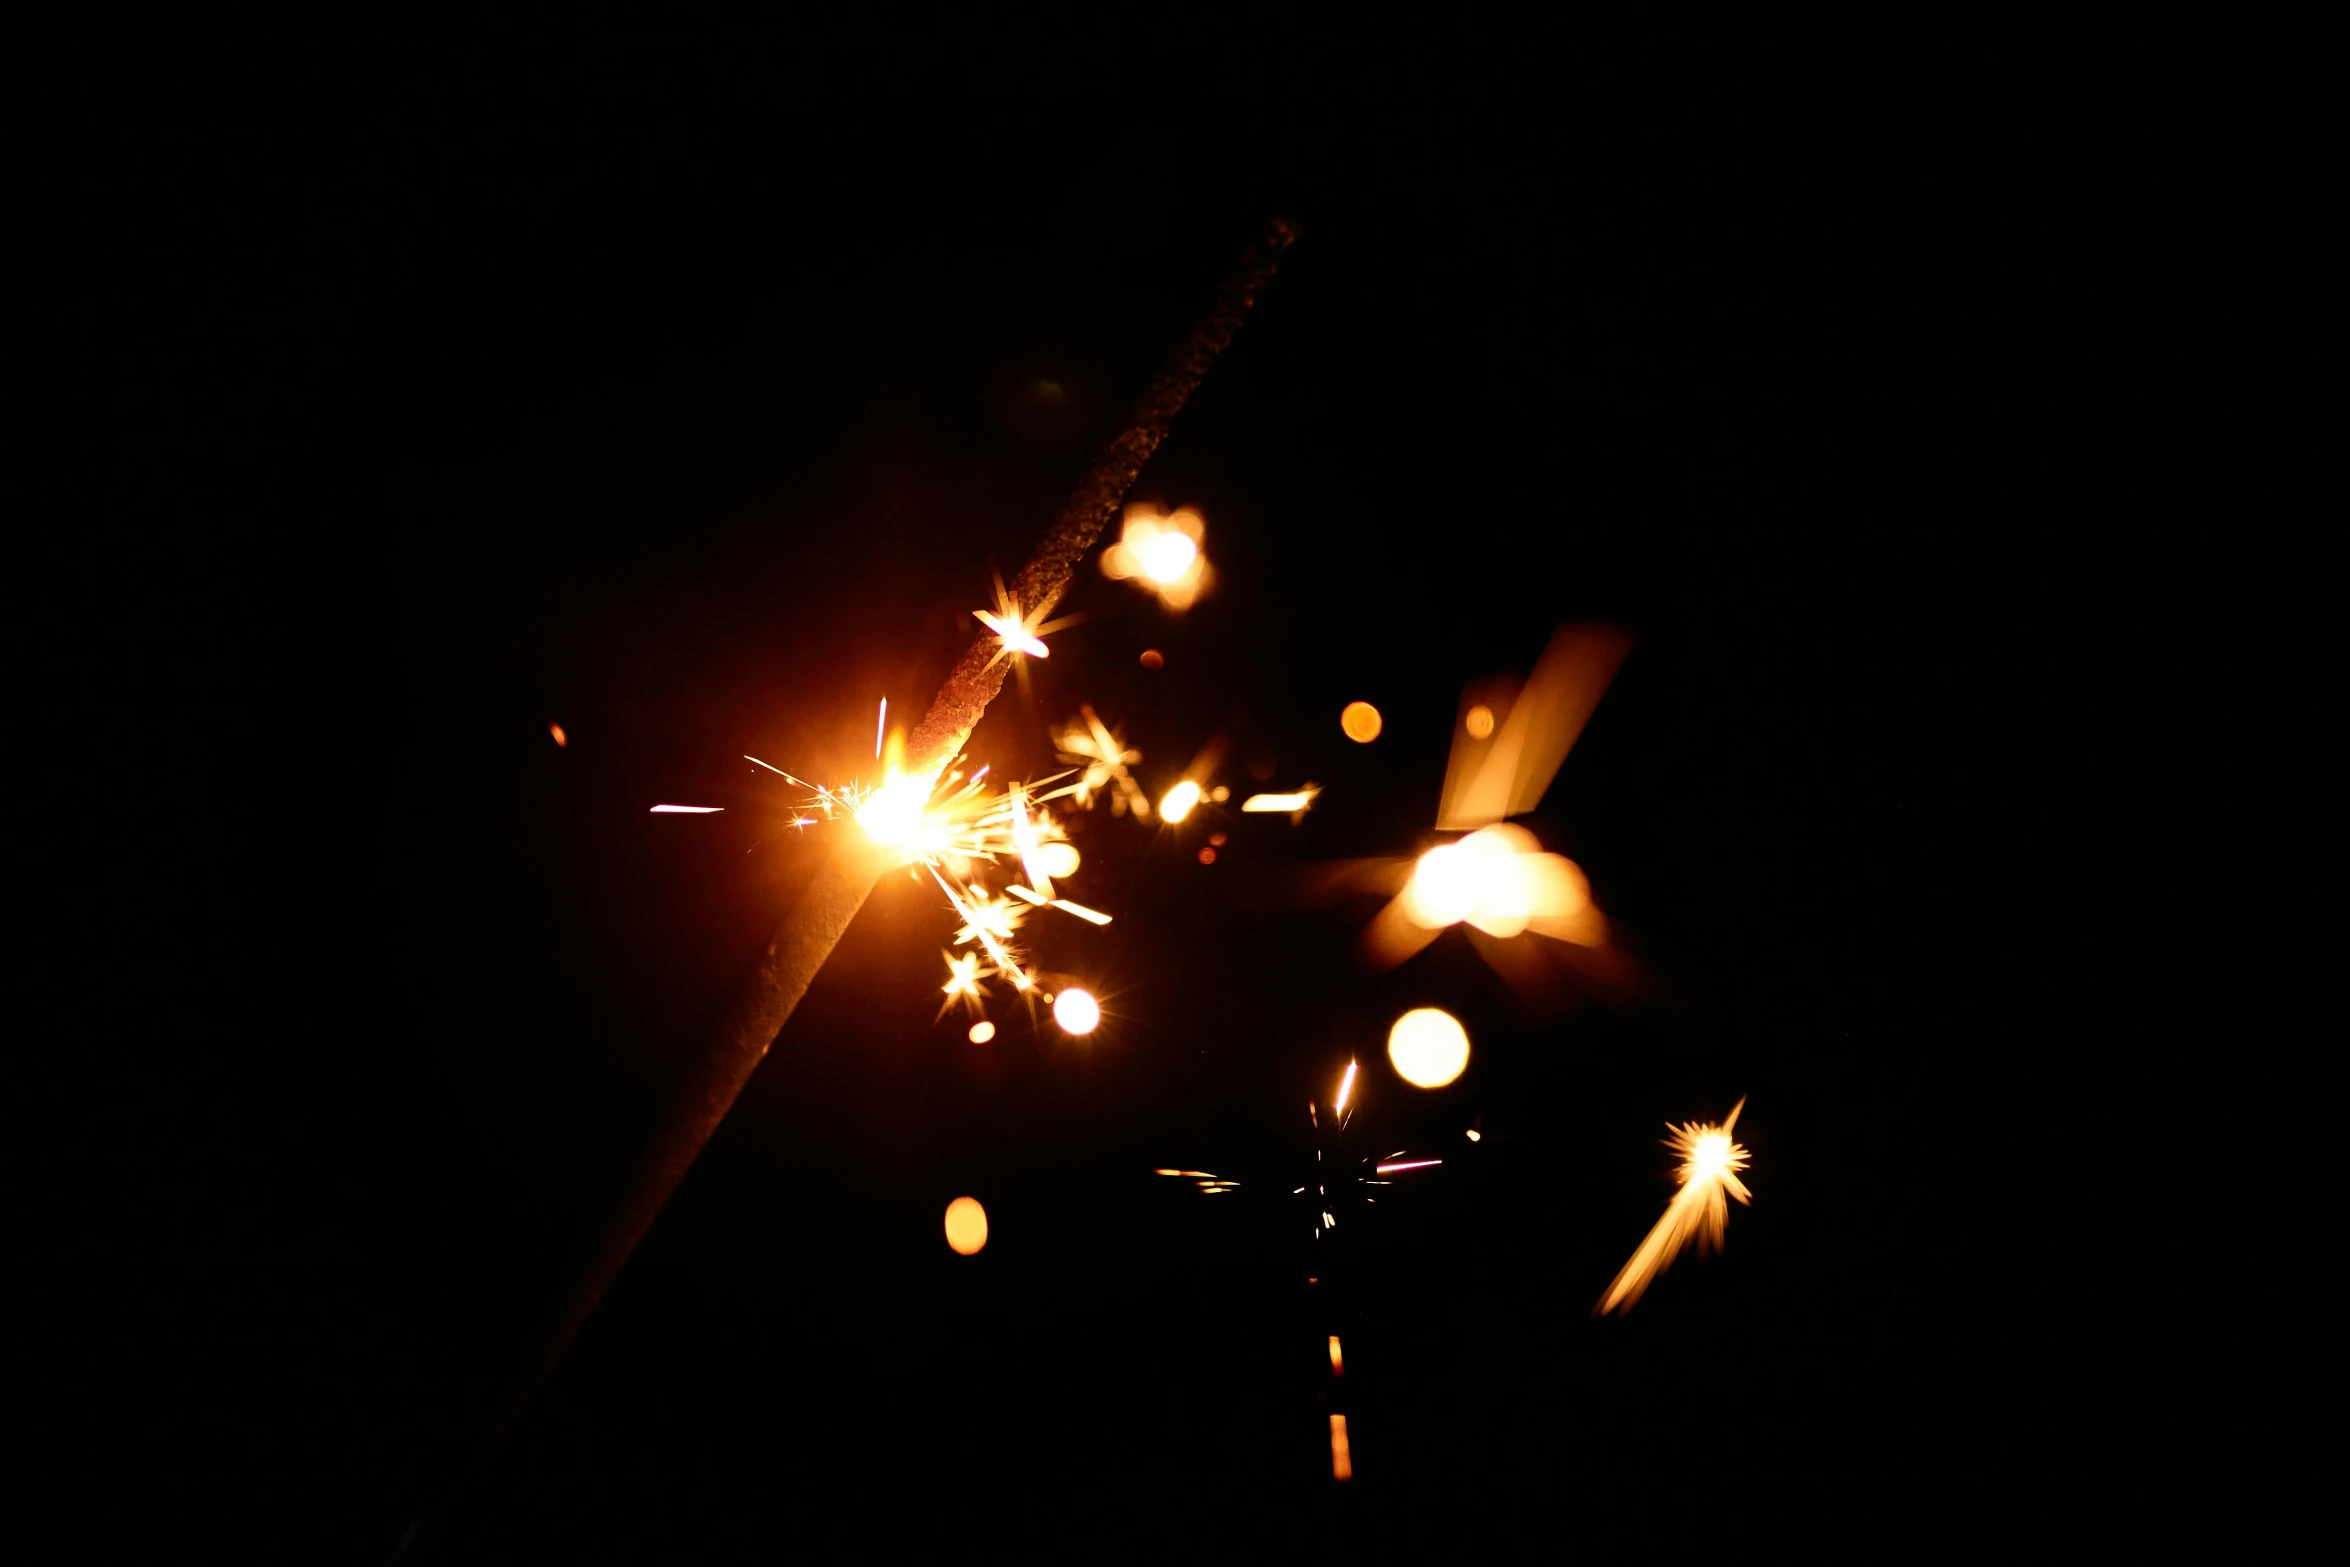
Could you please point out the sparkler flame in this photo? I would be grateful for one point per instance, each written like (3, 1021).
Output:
(1710, 1163)
(946, 823)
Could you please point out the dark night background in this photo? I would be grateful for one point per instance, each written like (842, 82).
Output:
(681, 392)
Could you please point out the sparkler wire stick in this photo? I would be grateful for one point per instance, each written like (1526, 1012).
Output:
(814, 926)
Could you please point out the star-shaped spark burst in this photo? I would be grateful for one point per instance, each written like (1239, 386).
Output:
(1710, 1163)
(963, 977)
(1102, 754)
(1016, 632)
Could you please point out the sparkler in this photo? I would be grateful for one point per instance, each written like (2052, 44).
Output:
(1710, 1163)
(846, 875)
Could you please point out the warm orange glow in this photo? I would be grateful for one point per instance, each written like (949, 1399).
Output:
(1361, 722)
(966, 1226)
(1428, 1047)
(1261, 803)
(1337, 1358)
(982, 1031)
(1179, 801)
(1346, 1087)
(963, 976)
(1476, 1136)
(1499, 880)
(892, 814)
(1167, 557)
(1076, 1012)
(1341, 1462)
(1152, 658)
(1164, 552)
(561, 739)
(1479, 722)
(1710, 1163)
(1060, 858)
(1207, 856)
(1216, 840)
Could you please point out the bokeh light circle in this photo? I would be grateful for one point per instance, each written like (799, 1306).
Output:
(1060, 859)
(1076, 1012)
(982, 1031)
(1361, 722)
(966, 1226)
(1428, 1047)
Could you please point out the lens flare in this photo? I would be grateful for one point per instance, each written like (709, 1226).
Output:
(1428, 1047)
(966, 1227)
(1076, 1012)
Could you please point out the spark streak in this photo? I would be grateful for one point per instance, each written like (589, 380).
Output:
(1710, 1163)
(1279, 803)
(687, 810)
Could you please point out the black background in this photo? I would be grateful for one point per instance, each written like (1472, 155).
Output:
(681, 391)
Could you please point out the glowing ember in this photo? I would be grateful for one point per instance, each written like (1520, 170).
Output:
(1076, 1012)
(1337, 1358)
(1476, 1136)
(1710, 1163)
(966, 1227)
(1428, 1047)
(561, 739)
(1341, 1462)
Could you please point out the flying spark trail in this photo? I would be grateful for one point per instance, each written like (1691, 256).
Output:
(687, 810)
(1710, 1163)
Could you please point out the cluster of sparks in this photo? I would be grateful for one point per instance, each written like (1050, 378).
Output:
(961, 831)
(1327, 1192)
(1497, 880)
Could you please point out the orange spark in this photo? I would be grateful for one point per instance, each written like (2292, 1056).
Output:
(1710, 1163)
